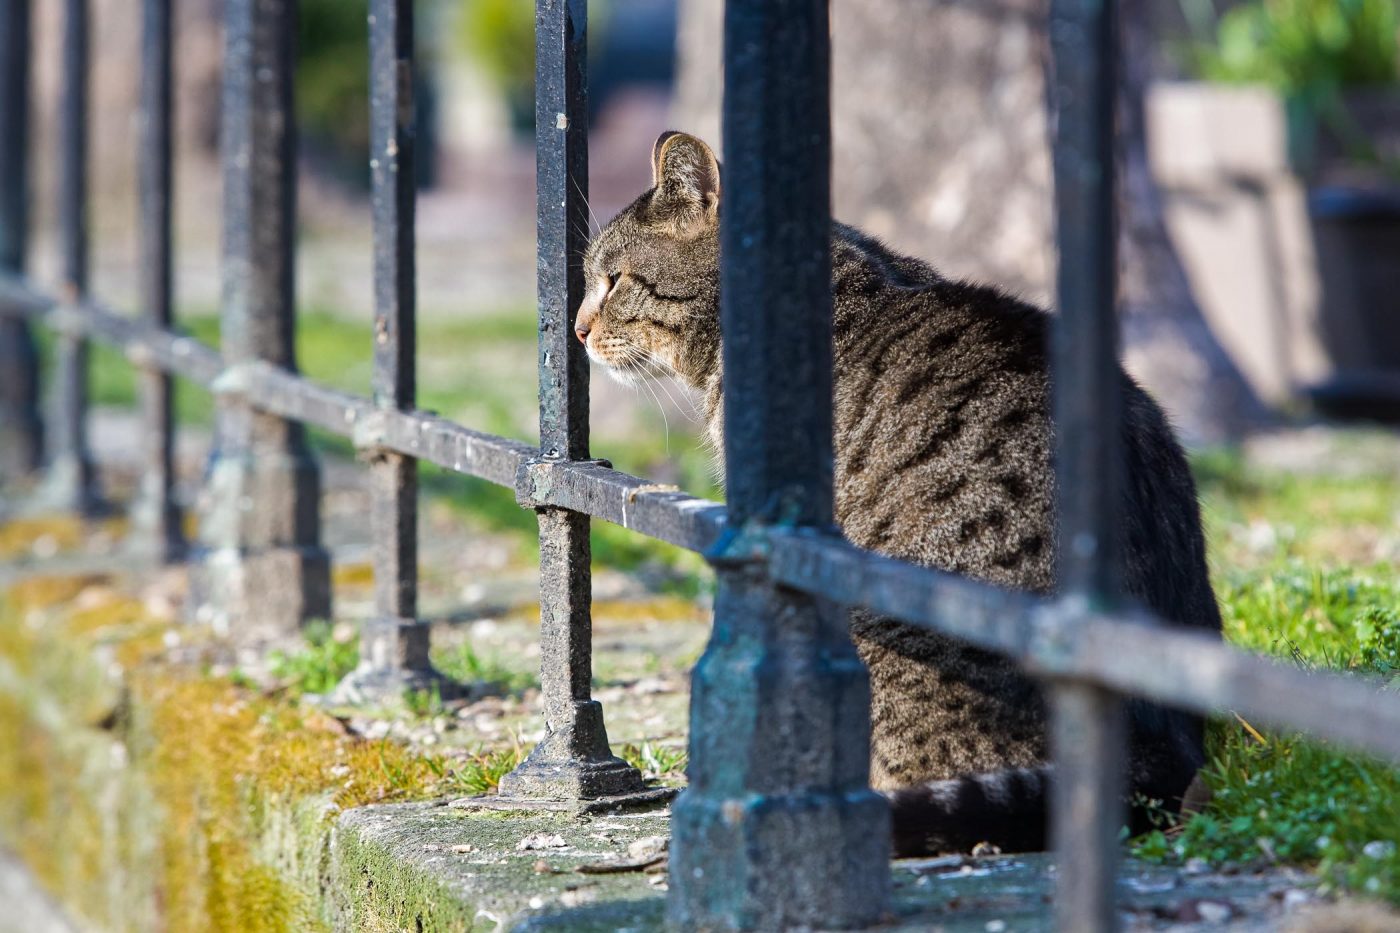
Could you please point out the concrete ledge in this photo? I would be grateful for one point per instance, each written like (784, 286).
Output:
(433, 868)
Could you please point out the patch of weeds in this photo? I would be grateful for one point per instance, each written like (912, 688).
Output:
(403, 777)
(50, 591)
(1294, 801)
(1282, 798)
(481, 772)
(464, 664)
(655, 760)
(1344, 619)
(322, 664)
(225, 764)
(1280, 544)
(423, 703)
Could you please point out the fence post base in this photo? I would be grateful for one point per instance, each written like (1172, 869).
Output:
(573, 762)
(394, 661)
(70, 485)
(260, 571)
(778, 827)
(772, 862)
(157, 524)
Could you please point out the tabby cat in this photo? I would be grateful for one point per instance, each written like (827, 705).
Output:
(942, 454)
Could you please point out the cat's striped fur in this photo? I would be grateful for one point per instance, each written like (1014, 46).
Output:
(943, 442)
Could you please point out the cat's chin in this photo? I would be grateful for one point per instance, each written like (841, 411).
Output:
(631, 374)
(623, 376)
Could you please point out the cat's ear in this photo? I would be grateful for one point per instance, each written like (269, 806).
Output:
(685, 173)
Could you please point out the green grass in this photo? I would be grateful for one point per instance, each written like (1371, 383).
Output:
(479, 372)
(1342, 618)
(481, 772)
(1256, 517)
(320, 664)
(656, 761)
(1288, 800)
(1278, 797)
(466, 665)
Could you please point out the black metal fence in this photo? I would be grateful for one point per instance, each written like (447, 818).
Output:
(778, 826)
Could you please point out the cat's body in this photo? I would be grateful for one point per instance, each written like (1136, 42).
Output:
(943, 440)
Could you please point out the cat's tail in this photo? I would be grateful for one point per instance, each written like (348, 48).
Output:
(1006, 809)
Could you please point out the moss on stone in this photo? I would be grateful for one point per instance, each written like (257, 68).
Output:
(19, 536)
(377, 892)
(54, 534)
(145, 794)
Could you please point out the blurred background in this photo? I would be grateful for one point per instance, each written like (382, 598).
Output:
(1260, 299)
(1260, 188)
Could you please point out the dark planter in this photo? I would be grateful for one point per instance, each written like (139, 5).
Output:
(1356, 236)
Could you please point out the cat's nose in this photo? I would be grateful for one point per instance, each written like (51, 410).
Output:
(581, 330)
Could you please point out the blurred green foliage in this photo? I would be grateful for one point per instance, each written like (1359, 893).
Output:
(500, 36)
(321, 663)
(332, 84)
(1303, 47)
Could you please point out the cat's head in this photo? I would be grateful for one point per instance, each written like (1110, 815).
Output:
(651, 301)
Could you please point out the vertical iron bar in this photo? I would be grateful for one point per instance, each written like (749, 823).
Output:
(394, 646)
(778, 827)
(1088, 732)
(261, 570)
(72, 481)
(574, 759)
(21, 429)
(561, 172)
(155, 516)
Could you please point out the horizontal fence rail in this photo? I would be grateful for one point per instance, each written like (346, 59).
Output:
(1127, 651)
(781, 572)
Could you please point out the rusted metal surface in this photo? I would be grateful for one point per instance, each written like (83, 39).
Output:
(421, 435)
(156, 524)
(573, 761)
(1134, 656)
(655, 510)
(827, 564)
(71, 482)
(1088, 735)
(394, 645)
(261, 570)
(21, 427)
(1121, 650)
(777, 827)
(143, 343)
(1087, 738)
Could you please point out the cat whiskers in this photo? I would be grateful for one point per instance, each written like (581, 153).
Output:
(645, 366)
(689, 412)
(642, 363)
(592, 218)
